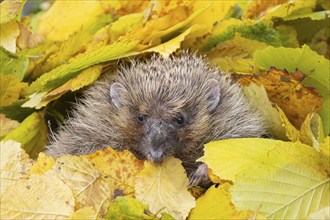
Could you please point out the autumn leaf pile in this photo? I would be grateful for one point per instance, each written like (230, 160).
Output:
(277, 50)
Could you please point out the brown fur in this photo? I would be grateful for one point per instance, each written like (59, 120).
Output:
(159, 90)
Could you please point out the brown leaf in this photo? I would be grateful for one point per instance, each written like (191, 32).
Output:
(286, 90)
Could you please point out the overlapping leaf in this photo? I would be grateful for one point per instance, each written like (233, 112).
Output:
(282, 180)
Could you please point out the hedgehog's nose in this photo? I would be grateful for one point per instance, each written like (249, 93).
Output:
(156, 156)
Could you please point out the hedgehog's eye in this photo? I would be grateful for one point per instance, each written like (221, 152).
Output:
(140, 118)
(180, 119)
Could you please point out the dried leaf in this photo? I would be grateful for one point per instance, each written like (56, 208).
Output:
(39, 197)
(15, 163)
(80, 175)
(286, 90)
(42, 165)
(7, 125)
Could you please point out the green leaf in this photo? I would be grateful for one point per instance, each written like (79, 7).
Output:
(15, 111)
(319, 15)
(317, 70)
(282, 180)
(74, 66)
(32, 133)
(259, 31)
(125, 207)
(13, 64)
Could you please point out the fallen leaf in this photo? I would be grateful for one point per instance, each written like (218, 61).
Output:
(214, 204)
(282, 179)
(72, 68)
(272, 114)
(124, 169)
(80, 175)
(165, 187)
(13, 64)
(7, 125)
(42, 165)
(32, 133)
(86, 77)
(312, 74)
(15, 163)
(39, 197)
(68, 21)
(167, 48)
(286, 90)
(8, 35)
(10, 10)
(10, 89)
(235, 55)
(123, 208)
(86, 213)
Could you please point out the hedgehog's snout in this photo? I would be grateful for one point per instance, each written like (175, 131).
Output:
(156, 156)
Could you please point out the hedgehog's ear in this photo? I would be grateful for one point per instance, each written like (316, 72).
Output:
(116, 92)
(214, 94)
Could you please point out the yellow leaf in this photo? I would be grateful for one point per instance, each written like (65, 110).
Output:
(272, 115)
(8, 35)
(195, 39)
(236, 55)
(311, 131)
(85, 78)
(15, 163)
(70, 69)
(32, 133)
(39, 197)
(325, 146)
(119, 170)
(214, 204)
(110, 33)
(86, 213)
(42, 165)
(321, 214)
(64, 18)
(165, 187)
(255, 8)
(216, 12)
(89, 188)
(282, 179)
(10, 9)
(167, 48)
(10, 89)
(7, 125)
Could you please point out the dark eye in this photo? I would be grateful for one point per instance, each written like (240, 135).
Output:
(180, 120)
(140, 118)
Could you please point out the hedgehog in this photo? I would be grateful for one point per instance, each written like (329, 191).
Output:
(159, 108)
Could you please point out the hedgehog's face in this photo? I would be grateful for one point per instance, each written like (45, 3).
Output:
(159, 127)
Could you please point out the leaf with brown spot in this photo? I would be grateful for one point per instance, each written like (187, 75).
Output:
(286, 90)
(119, 170)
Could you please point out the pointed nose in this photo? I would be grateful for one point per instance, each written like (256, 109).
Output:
(156, 156)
